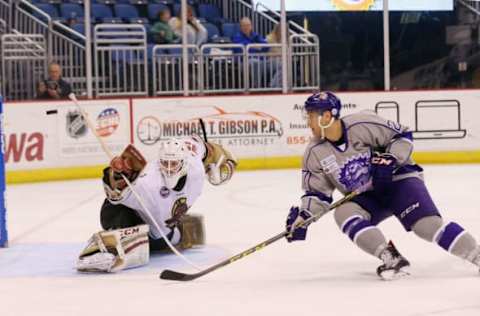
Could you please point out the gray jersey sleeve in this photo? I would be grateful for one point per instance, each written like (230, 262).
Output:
(317, 187)
(384, 134)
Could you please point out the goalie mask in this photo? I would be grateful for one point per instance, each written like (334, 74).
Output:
(173, 161)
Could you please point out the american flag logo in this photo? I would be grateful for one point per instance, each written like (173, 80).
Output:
(107, 122)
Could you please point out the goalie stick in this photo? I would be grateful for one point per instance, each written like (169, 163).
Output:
(179, 276)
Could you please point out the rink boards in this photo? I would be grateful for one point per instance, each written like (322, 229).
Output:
(47, 140)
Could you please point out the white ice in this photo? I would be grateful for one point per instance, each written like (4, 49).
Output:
(326, 275)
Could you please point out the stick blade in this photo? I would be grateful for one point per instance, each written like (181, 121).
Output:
(176, 276)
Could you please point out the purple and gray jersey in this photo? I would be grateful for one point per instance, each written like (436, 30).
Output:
(345, 165)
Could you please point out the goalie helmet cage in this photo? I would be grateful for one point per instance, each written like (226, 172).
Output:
(3, 215)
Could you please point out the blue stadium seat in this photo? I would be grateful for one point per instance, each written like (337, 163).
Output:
(177, 7)
(76, 1)
(154, 9)
(230, 29)
(70, 10)
(212, 30)
(211, 13)
(49, 9)
(101, 11)
(126, 11)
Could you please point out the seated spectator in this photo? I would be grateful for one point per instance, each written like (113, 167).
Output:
(196, 33)
(246, 36)
(258, 64)
(275, 37)
(54, 87)
(162, 32)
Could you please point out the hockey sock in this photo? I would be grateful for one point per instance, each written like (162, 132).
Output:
(366, 236)
(456, 240)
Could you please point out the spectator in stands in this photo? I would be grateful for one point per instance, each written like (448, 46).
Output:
(196, 33)
(54, 87)
(275, 37)
(258, 63)
(246, 36)
(162, 32)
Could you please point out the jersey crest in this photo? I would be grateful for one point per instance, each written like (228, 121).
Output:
(179, 209)
(355, 172)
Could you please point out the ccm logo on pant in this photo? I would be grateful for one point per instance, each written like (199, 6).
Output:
(409, 209)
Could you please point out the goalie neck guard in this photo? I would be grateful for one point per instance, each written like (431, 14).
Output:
(172, 161)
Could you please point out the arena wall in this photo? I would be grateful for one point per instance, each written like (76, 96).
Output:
(47, 140)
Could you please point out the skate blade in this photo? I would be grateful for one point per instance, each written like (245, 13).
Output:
(391, 275)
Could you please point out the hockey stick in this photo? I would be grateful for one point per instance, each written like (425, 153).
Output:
(204, 131)
(179, 276)
(110, 155)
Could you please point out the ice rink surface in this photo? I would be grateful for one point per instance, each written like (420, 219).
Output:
(49, 224)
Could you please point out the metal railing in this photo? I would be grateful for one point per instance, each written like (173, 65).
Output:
(304, 60)
(223, 68)
(121, 59)
(472, 5)
(263, 18)
(123, 62)
(6, 10)
(167, 69)
(64, 45)
(227, 68)
(68, 50)
(264, 67)
(24, 63)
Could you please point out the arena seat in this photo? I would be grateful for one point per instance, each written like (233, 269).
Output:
(126, 11)
(71, 10)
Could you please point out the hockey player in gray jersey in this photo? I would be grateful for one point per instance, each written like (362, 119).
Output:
(355, 151)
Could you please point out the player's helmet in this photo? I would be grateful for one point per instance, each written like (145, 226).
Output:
(324, 101)
(173, 161)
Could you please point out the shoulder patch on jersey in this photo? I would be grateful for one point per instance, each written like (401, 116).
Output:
(164, 192)
(329, 164)
(394, 125)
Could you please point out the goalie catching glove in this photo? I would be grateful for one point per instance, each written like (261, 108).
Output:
(219, 164)
(129, 164)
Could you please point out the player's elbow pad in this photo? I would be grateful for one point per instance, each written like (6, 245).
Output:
(318, 204)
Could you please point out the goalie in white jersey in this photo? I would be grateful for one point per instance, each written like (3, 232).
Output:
(135, 221)
(350, 152)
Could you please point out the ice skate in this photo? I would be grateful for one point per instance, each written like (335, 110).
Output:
(394, 264)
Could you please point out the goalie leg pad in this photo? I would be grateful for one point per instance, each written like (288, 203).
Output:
(192, 231)
(112, 251)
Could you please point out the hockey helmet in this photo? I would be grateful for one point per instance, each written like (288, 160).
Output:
(173, 161)
(324, 101)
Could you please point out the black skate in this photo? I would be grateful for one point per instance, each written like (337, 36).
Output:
(394, 264)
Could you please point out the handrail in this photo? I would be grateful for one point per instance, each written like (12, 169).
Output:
(470, 7)
(37, 10)
(275, 13)
(67, 29)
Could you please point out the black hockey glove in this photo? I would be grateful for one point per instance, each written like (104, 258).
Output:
(383, 166)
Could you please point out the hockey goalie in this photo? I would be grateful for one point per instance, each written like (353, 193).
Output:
(159, 198)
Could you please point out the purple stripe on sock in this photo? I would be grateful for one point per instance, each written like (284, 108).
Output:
(349, 223)
(451, 231)
(357, 227)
